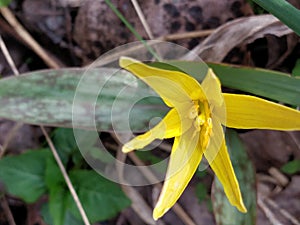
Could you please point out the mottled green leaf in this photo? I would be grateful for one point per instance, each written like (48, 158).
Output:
(47, 97)
(225, 213)
(23, 175)
(120, 102)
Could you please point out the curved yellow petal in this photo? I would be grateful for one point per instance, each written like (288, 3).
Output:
(172, 125)
(248, 112)
(172, 86)
(212, 89)
(219, 160)
(185, 157)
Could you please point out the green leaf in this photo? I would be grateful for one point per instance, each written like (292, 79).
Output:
(201, 192)
(48, 219)
(47, 97)
(53, 177)
(60, 199)
(4, 2)
(148, 156)
(266, 83)
(101, 198)
(65, 143)
(291, 167)
(284, 11)
(64, 140)
(23, 175)
(270, 84)
(225, 213)
(296, 69)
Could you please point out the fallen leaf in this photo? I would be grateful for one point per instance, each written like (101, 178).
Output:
(240, 31)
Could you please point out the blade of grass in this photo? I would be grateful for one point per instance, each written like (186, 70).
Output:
(131, 28)
(284, 11)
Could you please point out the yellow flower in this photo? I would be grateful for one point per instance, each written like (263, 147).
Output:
(195, 121)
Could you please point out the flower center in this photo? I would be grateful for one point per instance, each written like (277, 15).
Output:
(200, 113)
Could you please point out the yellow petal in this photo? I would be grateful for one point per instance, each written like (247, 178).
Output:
(218, 158)
(172, 86)
(248, 112)
(173, 124)
(185, 157)
(212, 89)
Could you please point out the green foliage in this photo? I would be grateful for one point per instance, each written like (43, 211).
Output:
(34, 173)
(147, 156)
(266, 83)
(32, 98)
(98, 193)
(225, 214)
(296, 69)
(291, 167)
(201, 192)
(256, 8)
(284, 11)
(64, 140)
(23, 175)
(47, 97)
(68, 218)
(202, 195)
(4, 2)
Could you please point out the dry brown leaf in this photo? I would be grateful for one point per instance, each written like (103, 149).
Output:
(269, 148)
(275, 54)
(240, 31)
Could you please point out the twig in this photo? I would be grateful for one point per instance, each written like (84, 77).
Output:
(5, 206)
(146, 172)
(139, 205)
(12, 65)
(10, 136)
(280, 177)
(186, 35)
(283, 212)
(142, 18)
(8, 57)
(293, 137)
(268, 212)
(11, 19)
(66, 177)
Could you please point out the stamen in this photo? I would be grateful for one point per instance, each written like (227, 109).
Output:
(200, 120)
(193, 113)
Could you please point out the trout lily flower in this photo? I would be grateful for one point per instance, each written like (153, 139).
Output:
(197, 113)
